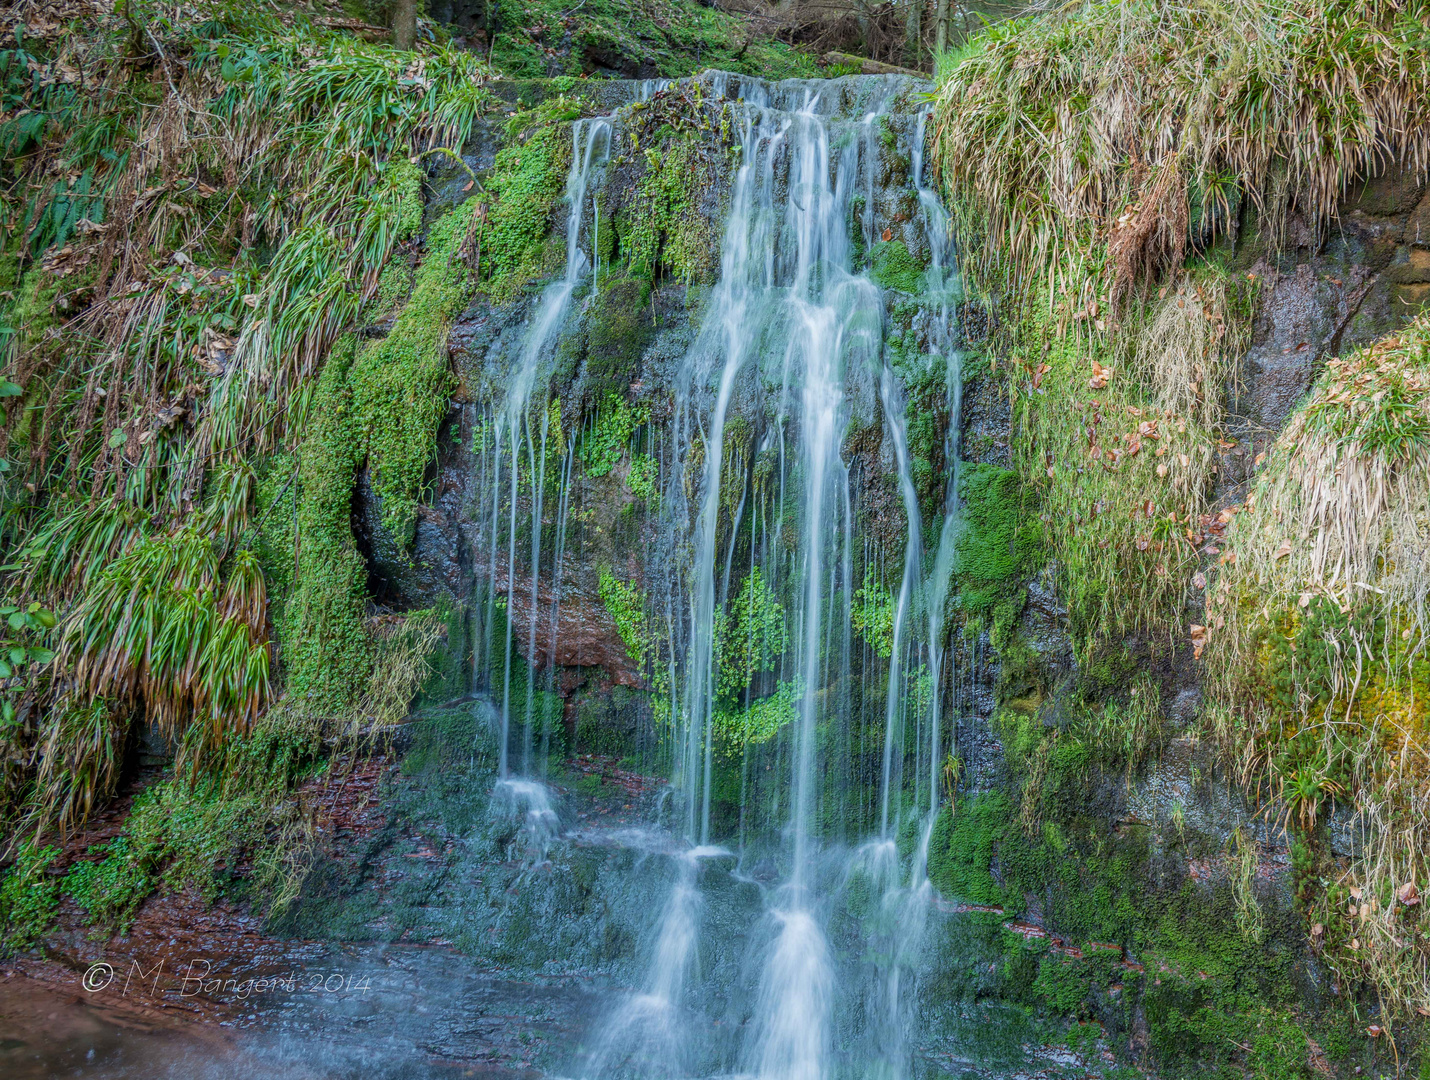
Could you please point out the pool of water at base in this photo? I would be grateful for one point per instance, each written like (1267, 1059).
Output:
(387, 1013)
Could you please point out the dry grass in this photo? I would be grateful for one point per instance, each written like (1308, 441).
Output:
(1138, 127)
(1317, 643)
(1189, 351)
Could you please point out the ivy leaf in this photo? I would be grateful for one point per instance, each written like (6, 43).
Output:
(5, 670)
(41, 655)
(9, 389)
(117, 438)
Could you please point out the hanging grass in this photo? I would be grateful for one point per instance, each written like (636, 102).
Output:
(186, 241)
(1317, 647)
(1139, 127)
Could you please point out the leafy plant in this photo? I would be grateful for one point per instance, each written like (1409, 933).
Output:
(28, 897)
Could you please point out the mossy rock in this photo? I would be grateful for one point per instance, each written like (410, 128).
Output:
(618, 328)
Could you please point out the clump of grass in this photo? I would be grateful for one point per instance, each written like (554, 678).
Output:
(1317, 634)
(1139, 127)
(182, 254)
(404, 645)
(1189, 348)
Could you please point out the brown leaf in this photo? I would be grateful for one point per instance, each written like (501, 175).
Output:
(1284, 549)
(1199, 640)
(1199, 580)
(1408, 894)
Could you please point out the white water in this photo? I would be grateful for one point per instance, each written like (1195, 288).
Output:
(590, 150)
(647, 1035)
(527, 803)
(790, 307)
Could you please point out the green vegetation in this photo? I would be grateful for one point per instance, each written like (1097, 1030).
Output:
(626, 606)
(872, 615)
(999, 549)
(1242, 100)
(1317, 652)
(520, 195)
(400, 385)
(750, 637)
(604, 443)
(618, 36)
(28, 897)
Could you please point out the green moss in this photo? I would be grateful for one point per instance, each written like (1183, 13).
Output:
(525, 184)
(401, 384)
(894, 267)
(618, 327)
(678, 40)
(664, 229)
(963, 847)
(999, 549)
(450, 663)
(326, 650)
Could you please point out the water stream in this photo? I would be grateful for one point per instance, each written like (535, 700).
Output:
(794, 952)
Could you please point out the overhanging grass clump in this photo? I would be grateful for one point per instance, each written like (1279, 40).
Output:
(1317, 641)
(1140, 127)
(190, 228)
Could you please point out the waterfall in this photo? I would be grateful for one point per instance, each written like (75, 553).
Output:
(590, 149)
(789, 339)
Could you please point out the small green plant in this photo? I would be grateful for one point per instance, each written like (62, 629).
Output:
(872, 615)
(643, 476)
(111, 888)
(626, 606)
(750, 637)
(28, 897)
(604, 444)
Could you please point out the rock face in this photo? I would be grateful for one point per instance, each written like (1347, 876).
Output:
(1325, 295)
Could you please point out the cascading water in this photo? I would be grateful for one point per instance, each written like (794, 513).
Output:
(591, 145)
(794, 330)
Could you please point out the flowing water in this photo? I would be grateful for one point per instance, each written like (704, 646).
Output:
(798, 951)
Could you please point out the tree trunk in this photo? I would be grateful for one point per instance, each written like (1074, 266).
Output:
(940, 41)
(404, 24)
(913, 32)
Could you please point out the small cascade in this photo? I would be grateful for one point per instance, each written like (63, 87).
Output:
(786, 364)
(647, 1035)
(528, 804)
(526, 437)
(943, 287)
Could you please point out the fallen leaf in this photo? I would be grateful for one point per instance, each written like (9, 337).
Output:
(1162, 469)
(1199, 640)
(1284, 549)
(1199, 580)
(1408, 894)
